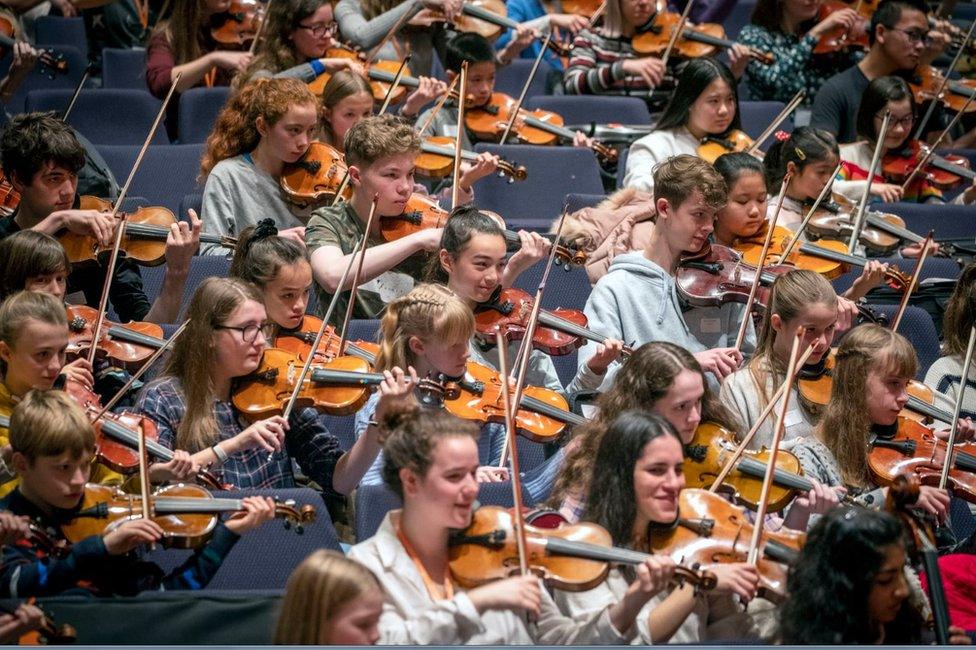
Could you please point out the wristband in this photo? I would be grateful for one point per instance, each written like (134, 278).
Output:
(219, 453)
(317, 66)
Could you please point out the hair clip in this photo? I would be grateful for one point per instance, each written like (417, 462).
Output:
(265, 228)
(782, 136)
(799, 153)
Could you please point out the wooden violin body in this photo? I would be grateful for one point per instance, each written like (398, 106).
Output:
(944, 172)
(380, 73)
(128, 344)
(840, 39)
(751, 249)
(712, 147)
(926, 82)
(716, 275)
(510, 312)
(240, 23)
(314, 180)
(420, 213)
(436, 160)
(704, 39)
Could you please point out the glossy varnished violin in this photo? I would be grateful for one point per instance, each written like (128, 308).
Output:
(315, 178)
(436, 160)
(237, 27)
(705, 39)
(127, 344)
(380, 74)
(944, 172)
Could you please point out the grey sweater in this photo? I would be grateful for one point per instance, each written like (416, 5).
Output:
(743, 397)
(366, 34)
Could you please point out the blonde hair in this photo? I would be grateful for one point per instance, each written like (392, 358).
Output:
(342, 84)
(845, 423)
(235, 131)
(677, 178)
(613, 19)
(379, 136)
(49, 423)
(195, 355)
(317, 589)
(791, 294)
(429, 311)
(24, 306)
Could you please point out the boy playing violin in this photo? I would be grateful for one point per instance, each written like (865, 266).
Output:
(53, 444)
(638, 300)
(41, 159)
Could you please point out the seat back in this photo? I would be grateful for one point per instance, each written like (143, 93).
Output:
(60, 30)
(168, 172)
(123, 68)
(756, 116)
(587, 109)
(198, 112)
(115, 116)
(40, 78)
(510, 78)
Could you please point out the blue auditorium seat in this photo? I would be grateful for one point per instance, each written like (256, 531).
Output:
(509, 79)
(168, 172)
(916, 326)
(586, 109)
(58, 30)
(756, 116)
(948, 221)
(553, 172)
(739, 17)
(934, 267)
(122, 68)
(105, 116)
(190, 201)
(198, 112)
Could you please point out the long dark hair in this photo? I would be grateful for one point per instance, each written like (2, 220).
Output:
(768, 14)
(874, 100)
(960, 313)
(464, 222)
(692, 82)
(730, 166)
(804, 146)
(610, 498)
(831, 581)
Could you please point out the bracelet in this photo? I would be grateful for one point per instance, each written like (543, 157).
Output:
(219, 453)
(317, 66)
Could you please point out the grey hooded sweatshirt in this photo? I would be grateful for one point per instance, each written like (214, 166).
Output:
(637, 302)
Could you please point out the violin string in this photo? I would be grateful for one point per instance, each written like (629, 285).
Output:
(858, 217)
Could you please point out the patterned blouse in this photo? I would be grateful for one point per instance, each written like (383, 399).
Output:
(795, 67)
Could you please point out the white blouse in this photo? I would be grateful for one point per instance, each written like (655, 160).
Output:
(654, 148)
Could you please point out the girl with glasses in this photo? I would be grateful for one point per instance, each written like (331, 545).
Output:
(887, 94)
(191, 402)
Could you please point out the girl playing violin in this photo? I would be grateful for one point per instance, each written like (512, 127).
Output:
(705, 105)
(330, 600)
(637, 478)
(346, 99)
(789, 30)
(887, 94)
(472, 263)
(850, 585)
(870, 378)
(431, 462)
(945, 375)
(265, 126)
(190, 402)
(534, 15)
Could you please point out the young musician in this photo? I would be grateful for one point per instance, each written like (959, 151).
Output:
(265, 126)
(471, 262)
(380, 152)
(191, 402)
(430, 460)
(705, 104)
(637, 478)
(945, 375)
(850, 585)
(888, 94)
(330, 600)
(33, 340)
(346, 99)
(638, 300)
(533, 14)
(789, 30)
(31, 260)
(870, 379)
(41, 159)
(900, 39)
(53, 444)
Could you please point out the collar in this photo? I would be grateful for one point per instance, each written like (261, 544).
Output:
(18, 504)
(884, 431)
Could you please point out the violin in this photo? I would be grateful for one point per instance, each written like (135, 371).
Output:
(436, 160)
(539, 127)
(144, 240)
(926, 81)
(916, 450)
(560, 330)
(944, 172)
(380, 73)
(9, 197)
(573, 557)
(709, 529)
(52, 62)
(711, 146)
(299, 341)
(716, 275)
(188, 514)
(117, 437)
(542, 415)
(128, 344)
(582, 7)
(881, 234)
(315, 178)
(706, 455)
(49, 632)
(238, 26)
(841, 39)
(705, 39)
(490, 19)
(815, 382)
(751, 249)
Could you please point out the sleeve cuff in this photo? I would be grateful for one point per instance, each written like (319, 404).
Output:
(89, 550)
(317, 66)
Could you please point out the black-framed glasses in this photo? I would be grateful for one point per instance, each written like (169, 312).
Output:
(319, 30)
(914, 35)
(249, 333)
(905, 122)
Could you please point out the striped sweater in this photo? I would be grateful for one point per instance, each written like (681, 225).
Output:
(596, 66)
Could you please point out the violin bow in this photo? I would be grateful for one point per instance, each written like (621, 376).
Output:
(926, 246)
(510, 442)
(401, 21)
(525, 89)
(438, 106)
(260, 30)
(300, 380)
(676, 34)
(145, 506)
(598, 13)
(930, 150)
(795, 239)
(393, 86)
(74, 95)
(135, 376)
(462, 100)
(920, 129)
(120, 226)
(747, 314)
(967, 363)
(757, 530)
(737, 454)
(768, 131)
(355, 278)
(859, 214)
(526, 346)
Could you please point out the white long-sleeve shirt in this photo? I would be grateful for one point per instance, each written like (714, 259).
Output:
(654, 148)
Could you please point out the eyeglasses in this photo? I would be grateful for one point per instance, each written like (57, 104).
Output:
(249, 333)
(914, 36)
(905, 122)
(318, 30)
